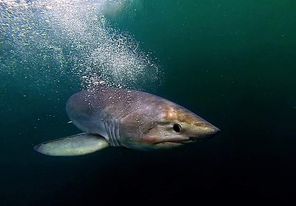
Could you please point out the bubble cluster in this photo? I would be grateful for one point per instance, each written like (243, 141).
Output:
(56, 39)
(119, 61)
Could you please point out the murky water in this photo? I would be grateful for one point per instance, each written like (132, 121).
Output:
(232, 62)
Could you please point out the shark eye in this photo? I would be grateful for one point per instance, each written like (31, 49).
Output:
(177, 128)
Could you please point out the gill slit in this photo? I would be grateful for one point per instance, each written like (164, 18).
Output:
(112, 129)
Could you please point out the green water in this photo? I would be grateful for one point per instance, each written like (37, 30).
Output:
(231, 62)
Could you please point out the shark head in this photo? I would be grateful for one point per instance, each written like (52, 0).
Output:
(164, 124)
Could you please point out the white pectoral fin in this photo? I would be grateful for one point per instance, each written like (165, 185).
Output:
(79, 144)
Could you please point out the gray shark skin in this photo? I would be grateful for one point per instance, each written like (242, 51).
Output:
(127, 118)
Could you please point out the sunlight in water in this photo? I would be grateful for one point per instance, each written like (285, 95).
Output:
(54, 38)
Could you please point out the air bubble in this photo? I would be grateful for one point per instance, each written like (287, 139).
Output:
(55, 39)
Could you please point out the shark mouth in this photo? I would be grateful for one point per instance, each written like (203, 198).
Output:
(180, 141)
(177, 141)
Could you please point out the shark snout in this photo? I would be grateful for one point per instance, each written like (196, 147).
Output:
(212, 130)
(206, 131)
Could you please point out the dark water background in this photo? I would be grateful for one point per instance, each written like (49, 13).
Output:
(232, 62)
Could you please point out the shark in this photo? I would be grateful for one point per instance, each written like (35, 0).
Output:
(133, 119)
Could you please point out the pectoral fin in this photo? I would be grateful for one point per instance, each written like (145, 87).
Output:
(79, 144)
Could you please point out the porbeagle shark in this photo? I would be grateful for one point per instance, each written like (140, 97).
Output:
(128, 118)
